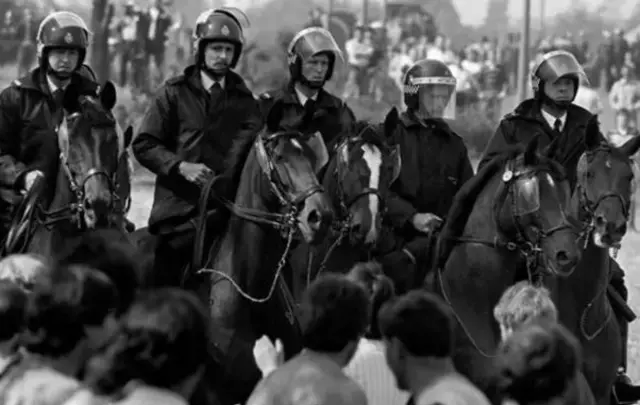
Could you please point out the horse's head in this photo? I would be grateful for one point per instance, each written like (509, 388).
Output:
(90, 147)
(366, 165)
(534, 199)
(290, 160)
(604, 187)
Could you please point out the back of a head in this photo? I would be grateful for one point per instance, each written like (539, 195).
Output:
(163, 339)
(523, 303)
(334, 312)
(380, 288)
(421, 322)
(13, 305)
(63, 303)
(110, 252)
(537, 363)
(22, 269)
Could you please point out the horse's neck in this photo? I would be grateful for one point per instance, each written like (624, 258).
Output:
(330, 183)
(63, 195)
(481, 223)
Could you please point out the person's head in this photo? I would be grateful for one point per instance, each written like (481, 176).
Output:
(368, 36)
(439, 42)
(556, 78)
(327, 327)
(430, 90)
(521, 304)
(312, 57)
(624, 119)
(13, 306)
(62, 41)
(418, 331)
(625, 71)
(219, 39)
(536, 364)
(358, 33)
(109, 252)
(71, 307)
(162, 341)
(23, 269)
(379, 287)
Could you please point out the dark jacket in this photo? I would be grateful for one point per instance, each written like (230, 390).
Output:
(183, 124)
(435, 164)
(28, 118)
(526, 121)
(332, 117)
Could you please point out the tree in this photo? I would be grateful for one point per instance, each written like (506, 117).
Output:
(101, 17)
(496, 23)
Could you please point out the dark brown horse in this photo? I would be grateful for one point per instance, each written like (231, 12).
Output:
(86, 193)
(361, 168)
(506, 224)
(601, 202)
(278, 196)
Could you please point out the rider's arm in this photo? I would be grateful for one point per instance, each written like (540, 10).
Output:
(465, 170)
(497, 144)
(400, 211)
(157, 130)
(11, 170)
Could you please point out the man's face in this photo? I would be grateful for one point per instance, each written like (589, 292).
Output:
(63, 60)
(434, 99)
(622, 120)
(625, 72)
(315, 68)
(218, 56)
(562, 90)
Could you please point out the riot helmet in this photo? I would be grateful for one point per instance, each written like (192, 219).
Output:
(553, 66)
(224, 24)
(309, 43)
(429, 89)
(62, 30)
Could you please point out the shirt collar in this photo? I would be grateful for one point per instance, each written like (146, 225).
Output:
(303, 99)
(207, 81)
(551, 119)
(53, 87)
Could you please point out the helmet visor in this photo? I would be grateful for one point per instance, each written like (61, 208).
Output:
(314, 40)
(436, 96)
(557, 64)
(238, 14)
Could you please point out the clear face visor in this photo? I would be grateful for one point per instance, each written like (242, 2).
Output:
(436, 96)
(65, 19)
(526, 193)
(314, 40)
(557, 64)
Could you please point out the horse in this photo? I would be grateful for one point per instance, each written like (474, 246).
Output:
(86, 192)
(358, 176)
(600, 202)
(506, 224)
(278, 198)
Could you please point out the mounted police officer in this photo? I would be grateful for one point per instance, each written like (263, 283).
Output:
(312, 55)
(32, 107)
(187, 132)
(435, 165)
(551, 113)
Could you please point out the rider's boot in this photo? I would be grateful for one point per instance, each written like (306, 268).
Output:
(624, 391)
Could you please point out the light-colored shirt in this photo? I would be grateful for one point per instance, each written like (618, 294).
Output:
(207, 81)
(452, 390)
(588, 99)
(303, 99)
(551, 120)
(625, 94)
(370, 370)
(53, 87)
(154, 13)
(358, 53)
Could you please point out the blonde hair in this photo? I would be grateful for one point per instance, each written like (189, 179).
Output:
(523, 303)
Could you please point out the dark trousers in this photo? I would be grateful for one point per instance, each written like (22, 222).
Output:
(172, 256)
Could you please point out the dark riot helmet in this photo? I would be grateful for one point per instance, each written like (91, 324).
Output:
(430, 87)
(310, 42)
(225, 24)
(62, 29)
(553, 66)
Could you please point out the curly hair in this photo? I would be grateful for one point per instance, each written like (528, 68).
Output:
(522, 303)
(380, 289)
(537, 363)
(162, 340)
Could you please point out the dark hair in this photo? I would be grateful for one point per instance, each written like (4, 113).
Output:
(13, 306)
(162, 340)
(421, 322)
(536, 363)
(62, 304)
(334, 312)
(380, 288)
(106, 250)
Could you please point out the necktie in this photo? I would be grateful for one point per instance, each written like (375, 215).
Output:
(216, 91)
(58, 97)
(557, 125)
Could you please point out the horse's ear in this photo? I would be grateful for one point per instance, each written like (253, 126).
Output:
(592, 138)
(631, 146)
(108, 95)
(275, 116)
(128, 136)
(391, 122)
(531, 152)
(70, 100)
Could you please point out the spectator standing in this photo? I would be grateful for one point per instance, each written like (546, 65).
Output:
(625, 93)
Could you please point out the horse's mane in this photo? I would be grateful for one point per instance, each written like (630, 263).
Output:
(466, 197)
(238, 154)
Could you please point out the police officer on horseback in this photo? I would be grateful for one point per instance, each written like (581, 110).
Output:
(552, 114)
(312, 58)
(435, 165)
(31, 107)
(187, 132)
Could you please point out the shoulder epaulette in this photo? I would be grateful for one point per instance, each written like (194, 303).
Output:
(17, 83)
(266, 96)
